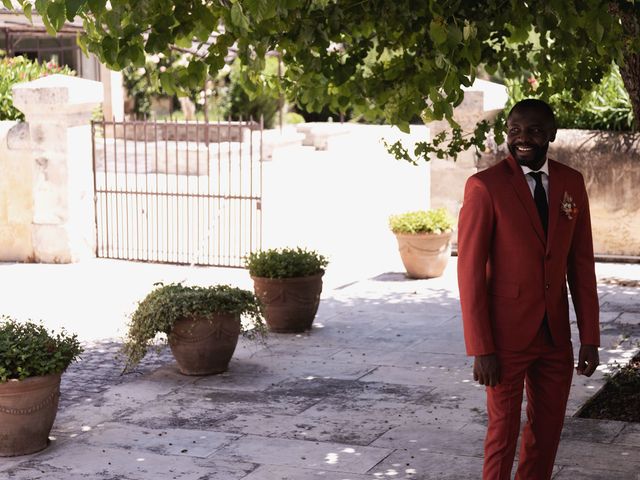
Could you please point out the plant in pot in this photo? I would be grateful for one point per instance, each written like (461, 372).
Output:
(288, 282)
(32, 361)
(200, 324)
(424, 241)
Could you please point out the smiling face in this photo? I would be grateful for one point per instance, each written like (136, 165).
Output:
(530, 128)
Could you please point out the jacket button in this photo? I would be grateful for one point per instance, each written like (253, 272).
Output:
(547, 286)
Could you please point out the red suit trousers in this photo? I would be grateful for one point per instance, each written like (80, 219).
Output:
(545, 371)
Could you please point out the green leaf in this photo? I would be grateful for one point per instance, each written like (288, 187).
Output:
(47, 25)
(469, 31)
(27, 11)
(8, 5)
(41, 6)
(260, 9)
(454, 35)
(184, 42)
(83, 44)
(97, 6)
(167, 83)
(73, 6)
(519, 34)
(57, 15)
(238, 18)
(109, 47)
(438, 32)
(599, 31)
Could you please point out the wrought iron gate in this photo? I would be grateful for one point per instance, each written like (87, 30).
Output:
(179, 192)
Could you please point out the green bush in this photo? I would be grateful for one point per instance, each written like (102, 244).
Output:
(285, 263)
(160, 309)
(29, 350)
(422, 221)
(293, 118)
(606, 107)
(19, 69)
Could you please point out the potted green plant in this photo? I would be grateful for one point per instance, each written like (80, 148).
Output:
(32, 361)
(288, 282)
(424, 241)
(200, 324)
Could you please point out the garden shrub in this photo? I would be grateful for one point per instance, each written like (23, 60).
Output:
(285, 263)
(28, 349)
(422, 221)
(20, 69)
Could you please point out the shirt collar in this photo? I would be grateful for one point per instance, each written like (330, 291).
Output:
(544, 168)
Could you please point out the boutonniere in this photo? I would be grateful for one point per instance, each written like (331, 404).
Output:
(568, 206)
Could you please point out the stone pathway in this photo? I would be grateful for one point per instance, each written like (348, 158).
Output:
(379, 389)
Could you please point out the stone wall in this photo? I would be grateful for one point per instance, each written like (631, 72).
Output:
(16, 194)
(483, 101)
(610, 163)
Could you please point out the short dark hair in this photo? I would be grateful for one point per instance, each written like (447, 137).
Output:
(534, 103)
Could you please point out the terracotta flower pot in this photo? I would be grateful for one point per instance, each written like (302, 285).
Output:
(290, 304)
(27, 410)
(204, 345)
(424, 255)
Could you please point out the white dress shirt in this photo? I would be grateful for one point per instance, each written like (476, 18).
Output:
(545, 178)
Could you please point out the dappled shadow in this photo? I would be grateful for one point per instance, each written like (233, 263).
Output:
(380, 380)
(609, 142)
(393, 277)
(100, 368)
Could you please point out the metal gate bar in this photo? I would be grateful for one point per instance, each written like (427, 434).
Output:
(178, 192)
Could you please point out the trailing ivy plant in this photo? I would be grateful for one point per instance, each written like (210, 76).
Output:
(158, 312)
(422, 221)
(285, 263)
(28, 350)
(391, 59)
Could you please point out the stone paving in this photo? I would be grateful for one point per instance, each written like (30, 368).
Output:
(380, 388)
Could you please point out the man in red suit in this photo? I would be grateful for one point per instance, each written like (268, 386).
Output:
(524, 232)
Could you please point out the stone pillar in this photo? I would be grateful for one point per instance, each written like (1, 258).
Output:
(113, 104)
(58, 111)
(16, 193)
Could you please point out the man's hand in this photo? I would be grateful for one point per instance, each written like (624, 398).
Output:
(588, 360)
(486, 370)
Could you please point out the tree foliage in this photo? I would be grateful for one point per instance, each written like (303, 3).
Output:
(606, 107)
(395, 59)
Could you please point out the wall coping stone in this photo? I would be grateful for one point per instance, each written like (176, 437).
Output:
(58, 89)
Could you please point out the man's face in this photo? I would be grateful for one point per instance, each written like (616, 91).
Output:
(529, 131)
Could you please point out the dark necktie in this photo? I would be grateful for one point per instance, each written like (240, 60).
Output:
(540, 198)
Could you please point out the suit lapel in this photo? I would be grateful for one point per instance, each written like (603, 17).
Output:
(519, 184)
(556, 188)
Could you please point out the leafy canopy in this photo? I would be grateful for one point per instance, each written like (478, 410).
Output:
(392, 59)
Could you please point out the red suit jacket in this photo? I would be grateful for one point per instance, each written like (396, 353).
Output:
(509, 274)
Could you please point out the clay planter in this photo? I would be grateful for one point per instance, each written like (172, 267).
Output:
(204, 345)
(27, 410)
(290, 304)
(424, 255)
